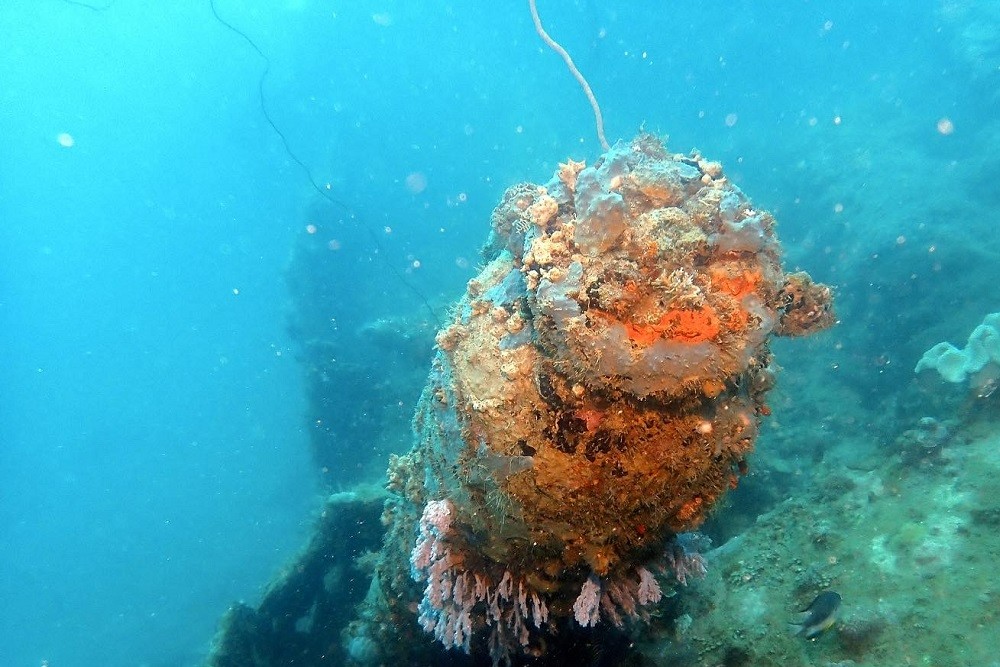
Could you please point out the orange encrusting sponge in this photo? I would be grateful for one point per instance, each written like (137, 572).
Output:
(684, 325)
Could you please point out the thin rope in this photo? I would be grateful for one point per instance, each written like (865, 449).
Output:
(323, 191)
(93, 8)
(554, 45)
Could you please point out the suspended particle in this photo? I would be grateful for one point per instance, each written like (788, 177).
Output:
(416, 182)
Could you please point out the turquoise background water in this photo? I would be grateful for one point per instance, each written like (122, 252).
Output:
(153, 451)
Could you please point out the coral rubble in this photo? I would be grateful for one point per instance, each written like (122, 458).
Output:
(910, 548)
(594, 394)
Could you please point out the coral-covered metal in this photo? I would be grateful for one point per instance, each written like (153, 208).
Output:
(594, 394)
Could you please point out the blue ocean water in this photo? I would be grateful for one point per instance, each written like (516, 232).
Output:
(154, 449)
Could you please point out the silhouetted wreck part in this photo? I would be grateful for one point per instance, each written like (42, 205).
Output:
(304, 610)
(362, 375)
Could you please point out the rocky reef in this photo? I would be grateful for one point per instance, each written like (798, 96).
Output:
(594, 394)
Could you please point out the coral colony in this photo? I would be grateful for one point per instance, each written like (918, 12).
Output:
(595, 392)
(451, 594)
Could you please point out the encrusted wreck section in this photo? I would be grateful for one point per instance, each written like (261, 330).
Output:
(597, 390)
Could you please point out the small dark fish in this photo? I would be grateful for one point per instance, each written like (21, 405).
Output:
(819, 616)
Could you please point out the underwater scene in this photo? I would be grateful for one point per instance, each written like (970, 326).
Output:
(517, 333)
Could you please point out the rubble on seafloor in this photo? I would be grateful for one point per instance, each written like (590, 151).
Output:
(910, 548)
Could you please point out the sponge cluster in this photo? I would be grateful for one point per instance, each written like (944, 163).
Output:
(978, 362)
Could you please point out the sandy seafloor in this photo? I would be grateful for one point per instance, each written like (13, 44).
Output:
(156, 412)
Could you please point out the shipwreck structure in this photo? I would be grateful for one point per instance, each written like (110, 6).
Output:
(595, 392)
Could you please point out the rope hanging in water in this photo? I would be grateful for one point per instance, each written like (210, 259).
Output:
(321, 190)
(554, 45)
(93, 8)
